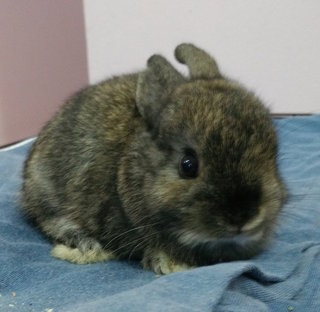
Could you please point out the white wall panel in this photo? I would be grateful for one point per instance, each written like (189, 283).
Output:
(271, 46)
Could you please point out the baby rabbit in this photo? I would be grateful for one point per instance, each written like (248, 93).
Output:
(174, 171)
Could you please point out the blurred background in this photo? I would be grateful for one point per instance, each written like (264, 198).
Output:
(51, 49)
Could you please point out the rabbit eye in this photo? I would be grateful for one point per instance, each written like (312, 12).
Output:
(189, 166)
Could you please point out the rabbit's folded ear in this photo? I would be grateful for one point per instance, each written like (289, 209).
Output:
(153, 86)
(200, 63)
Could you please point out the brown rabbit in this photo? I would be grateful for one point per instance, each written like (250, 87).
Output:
(177, 172)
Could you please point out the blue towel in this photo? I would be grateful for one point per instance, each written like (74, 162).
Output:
(286, 277)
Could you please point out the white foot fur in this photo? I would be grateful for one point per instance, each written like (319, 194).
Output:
(75, 255)
(161, 263)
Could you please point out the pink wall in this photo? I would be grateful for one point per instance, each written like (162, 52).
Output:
(42, 62)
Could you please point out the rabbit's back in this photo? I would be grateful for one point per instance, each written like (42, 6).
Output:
(73, 164)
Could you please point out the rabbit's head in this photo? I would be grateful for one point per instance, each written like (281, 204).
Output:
(203, 172)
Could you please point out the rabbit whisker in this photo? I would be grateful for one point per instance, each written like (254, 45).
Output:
(129, 231)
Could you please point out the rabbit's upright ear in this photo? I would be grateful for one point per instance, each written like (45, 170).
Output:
(154, 84)
(200, 63)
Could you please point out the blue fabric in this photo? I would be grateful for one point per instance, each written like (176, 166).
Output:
(286, 277)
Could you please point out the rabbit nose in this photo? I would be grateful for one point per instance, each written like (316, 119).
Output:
(235, 229)
(241, 215)
(240, 219)
(244, 226)
(242, 206)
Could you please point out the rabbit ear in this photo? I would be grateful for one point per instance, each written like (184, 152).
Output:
(153, 86)
(200, 63)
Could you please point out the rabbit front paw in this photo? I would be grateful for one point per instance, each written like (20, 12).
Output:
(161, 263)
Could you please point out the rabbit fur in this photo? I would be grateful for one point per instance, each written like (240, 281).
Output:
(107, 177)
